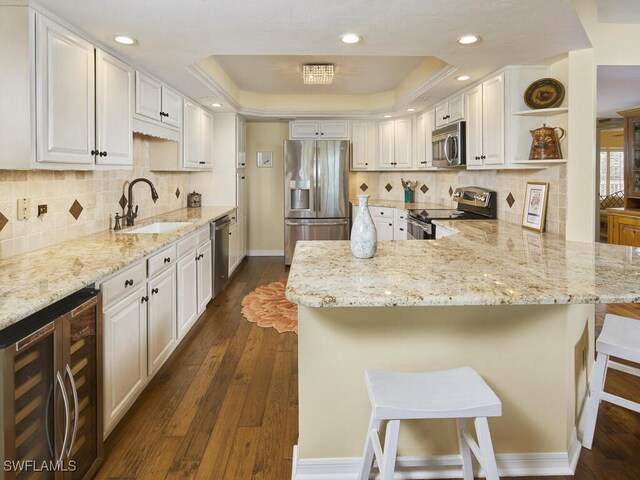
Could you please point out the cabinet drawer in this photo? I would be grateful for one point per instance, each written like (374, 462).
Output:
(400, 215)
(161, 260)
(123, 283)
(382, 212)
(187, 244)
(203, 235)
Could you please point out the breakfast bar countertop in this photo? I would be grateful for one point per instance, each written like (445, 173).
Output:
(486, 263)
(34, 280)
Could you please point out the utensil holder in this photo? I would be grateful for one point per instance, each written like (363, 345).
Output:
(408, 196)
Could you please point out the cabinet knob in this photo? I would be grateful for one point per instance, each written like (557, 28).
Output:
(128, 283)
(144, 299)
(201, 163)
(482, 157)
(154, 291)
(167, 259)
(94, 152)
(102, 154)
(366, 163)
(391, 224)
(402, 229)
(322, 133)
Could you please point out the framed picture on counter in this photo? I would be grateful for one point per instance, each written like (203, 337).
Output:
(535, 206)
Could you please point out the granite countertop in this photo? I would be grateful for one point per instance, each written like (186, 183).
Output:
(487, 263)
(34, 280)
(400, 204)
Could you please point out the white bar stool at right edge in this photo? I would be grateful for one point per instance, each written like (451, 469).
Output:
(460, 393)
(620, 338)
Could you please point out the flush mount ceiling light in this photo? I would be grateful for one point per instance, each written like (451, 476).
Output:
(462, 78)
(411, 109)
(318, 74)
(124, 40)
(386, 116)
(468, 39)
(350, 38)
(217, 105)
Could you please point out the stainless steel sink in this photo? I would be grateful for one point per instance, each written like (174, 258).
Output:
(157, 227)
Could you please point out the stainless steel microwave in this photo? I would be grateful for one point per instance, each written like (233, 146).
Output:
(449, 145)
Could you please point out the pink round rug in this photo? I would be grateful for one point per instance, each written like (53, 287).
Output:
(267, 306)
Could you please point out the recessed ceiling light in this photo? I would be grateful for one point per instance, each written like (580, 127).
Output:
(411, 109)
(350, 38)
(217, 105)
(124, 40)
(386, 116)
(462, 78)
(468, 39)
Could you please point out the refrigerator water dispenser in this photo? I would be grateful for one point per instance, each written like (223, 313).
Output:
(299, 191)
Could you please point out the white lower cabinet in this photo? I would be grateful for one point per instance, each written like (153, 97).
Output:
(384, 228)
(187, 293)
(161, 329)
(233, 246)
(125, 354)
(203, 269)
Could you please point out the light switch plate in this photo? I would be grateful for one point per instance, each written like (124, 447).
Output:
(24, 205)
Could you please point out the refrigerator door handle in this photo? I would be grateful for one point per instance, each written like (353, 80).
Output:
(76, 406)
(316, 222)
(316, 190)
(67, 414)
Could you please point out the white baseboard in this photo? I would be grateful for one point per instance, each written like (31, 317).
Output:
(442, 466)
(265, 253)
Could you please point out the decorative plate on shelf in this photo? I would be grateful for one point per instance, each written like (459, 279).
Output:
(544, 93)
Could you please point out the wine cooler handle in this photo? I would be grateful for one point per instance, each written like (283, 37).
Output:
(46, 420)
(76, 406)
(67, 414)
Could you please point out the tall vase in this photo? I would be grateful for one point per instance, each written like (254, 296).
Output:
(364, 238)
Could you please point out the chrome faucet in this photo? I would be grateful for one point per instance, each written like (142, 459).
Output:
(131, 214)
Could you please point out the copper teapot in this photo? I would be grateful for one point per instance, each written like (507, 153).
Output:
(545, 143)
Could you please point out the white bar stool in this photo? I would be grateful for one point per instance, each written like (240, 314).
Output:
(620, 338)
(459, 393)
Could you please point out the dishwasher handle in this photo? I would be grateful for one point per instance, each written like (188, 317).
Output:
(223, 224)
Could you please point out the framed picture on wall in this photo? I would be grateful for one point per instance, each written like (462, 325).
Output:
(535, 206)
(264, 159)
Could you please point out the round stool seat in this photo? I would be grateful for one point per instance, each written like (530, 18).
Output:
(455, 393)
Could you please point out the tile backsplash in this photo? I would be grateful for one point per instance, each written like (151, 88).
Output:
(93, 197)
(438, 186)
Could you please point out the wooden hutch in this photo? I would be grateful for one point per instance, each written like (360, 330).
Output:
(624, 223)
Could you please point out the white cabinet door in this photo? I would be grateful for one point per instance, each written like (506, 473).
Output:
(386, 151)
(303, 129)
(125, 353)
(171, 107)
(493, 120)
(207, 139)
(474, 126)
(334, 130)
(420, 140)
(400, 231)
(241, 194)
(442, 111)
(161, 320)
(402, 143)
(148, 97)
(233, 247)
(114, 97)
(359, 160)
(242, 237)
(187, 293)
(384, 228)
(192, 136)
(241, 142)
(203, 254)
(456, 108)
(65, 98)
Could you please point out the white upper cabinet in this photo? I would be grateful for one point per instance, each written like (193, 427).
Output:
(363, 145)
(197, 137)
(423, 147)
(450, 111)
(493, 121)
(386, 137)
(207, 138)
(158, 102)
(241, 139)
(324, 129)
(65, 96)
(474, 126)
(395, 140)
(114, 97)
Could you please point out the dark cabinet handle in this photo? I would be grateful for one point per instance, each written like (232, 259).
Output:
(391, 224)
(482, 157)
(202, 255)
(242, 178)
(94, 152)
(402, 229)
(144, 299)
(164, 114)
(128, 283)
(201, 163)
(167, 259)
(154, 291)
(102, 154)
(366, 163)
(381, 213)
(322, 133)
(243, 164)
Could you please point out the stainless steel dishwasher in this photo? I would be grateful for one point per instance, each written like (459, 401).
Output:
(220, 238)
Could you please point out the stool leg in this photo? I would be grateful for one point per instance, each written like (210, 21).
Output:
(596, 385)
(390, 450)
(367, 457)
(465, 451)
(486, 447)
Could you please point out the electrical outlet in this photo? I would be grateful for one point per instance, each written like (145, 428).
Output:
(24, 205)
(42, 209)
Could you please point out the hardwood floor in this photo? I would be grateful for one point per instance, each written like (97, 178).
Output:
(224, 406)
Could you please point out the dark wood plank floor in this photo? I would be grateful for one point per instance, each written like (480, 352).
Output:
(224, 406)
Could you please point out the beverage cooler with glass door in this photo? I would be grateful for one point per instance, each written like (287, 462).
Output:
(52, 389)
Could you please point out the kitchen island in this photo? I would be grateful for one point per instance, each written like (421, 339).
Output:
(515, 305)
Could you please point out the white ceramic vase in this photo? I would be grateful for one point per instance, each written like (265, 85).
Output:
(364, 238)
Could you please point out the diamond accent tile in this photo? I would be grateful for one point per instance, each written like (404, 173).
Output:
(364, 187)
(424, 188)
(123, 201)
(388, 187)
(510, 200)
(3, 221)
(450, 191)
(76, 209)
(177, 193)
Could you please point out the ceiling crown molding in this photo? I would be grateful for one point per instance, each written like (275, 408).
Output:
(213, 86)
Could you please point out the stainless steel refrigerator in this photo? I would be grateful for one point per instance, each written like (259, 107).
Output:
(316, 192)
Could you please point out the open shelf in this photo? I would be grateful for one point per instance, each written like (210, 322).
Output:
(540, 162)
(543, 112)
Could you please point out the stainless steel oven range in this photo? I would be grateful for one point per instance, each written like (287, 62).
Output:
(474, 203)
